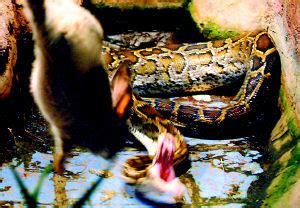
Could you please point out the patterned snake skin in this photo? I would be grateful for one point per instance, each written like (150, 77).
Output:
(146, 124)
(186, 68)
(257, 83)
(182, 68)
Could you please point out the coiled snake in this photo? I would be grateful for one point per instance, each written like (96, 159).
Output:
(186, 68)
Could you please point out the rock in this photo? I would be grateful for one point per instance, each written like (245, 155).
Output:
(8, 46)
(222, 19)
(283, 190)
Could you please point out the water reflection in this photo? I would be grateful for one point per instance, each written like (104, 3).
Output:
(220, 175)
(223, 169)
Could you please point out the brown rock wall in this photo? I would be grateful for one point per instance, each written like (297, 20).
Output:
(283, 25)
(8, 46)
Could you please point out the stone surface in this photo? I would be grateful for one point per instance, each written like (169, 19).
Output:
(8, 46)
(286, 196)
(283, 25)
(222, 19)
(283, 190)
(14, 31)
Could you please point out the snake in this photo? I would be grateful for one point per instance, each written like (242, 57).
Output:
(190, 68)
(146, 124)
(177, 69)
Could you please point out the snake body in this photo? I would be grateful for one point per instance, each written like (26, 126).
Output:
(253, 92)
(146, 124)
(181, 68)
(191, 68)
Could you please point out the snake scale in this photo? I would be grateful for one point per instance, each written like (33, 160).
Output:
(181, 68)
(190, 68)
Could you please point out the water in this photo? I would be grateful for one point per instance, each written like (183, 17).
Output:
(221, 174)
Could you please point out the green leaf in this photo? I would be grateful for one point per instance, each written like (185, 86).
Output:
(48, 169)
(30, 201)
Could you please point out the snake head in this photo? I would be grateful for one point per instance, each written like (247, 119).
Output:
(162, 174)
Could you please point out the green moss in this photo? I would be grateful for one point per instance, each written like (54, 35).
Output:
(295, 160)
(286, 179)
(210, 29)
(294, 130)
(285, 146)
(288, 175)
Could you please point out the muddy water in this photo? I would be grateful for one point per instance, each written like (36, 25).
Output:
(221, 174)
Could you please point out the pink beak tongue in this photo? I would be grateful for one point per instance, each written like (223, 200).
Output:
(162, 172)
